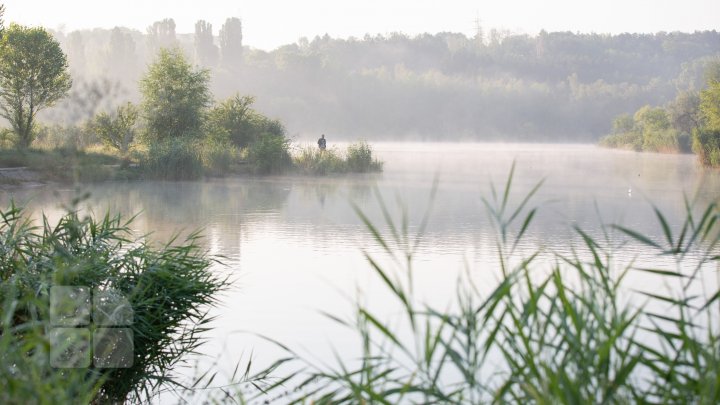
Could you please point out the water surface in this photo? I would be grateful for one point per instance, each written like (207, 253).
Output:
(293, 245)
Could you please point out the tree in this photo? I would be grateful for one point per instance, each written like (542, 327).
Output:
(234, 119)
(117, 131)
(121, 57)
(175, 96)
(205, 49)
(710, 105)
(33, 76)
(161, 34)
(684, 112)
(231, 42)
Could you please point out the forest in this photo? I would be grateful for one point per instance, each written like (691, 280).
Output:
(495, 85)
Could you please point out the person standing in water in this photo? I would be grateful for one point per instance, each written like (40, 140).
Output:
(322, 144)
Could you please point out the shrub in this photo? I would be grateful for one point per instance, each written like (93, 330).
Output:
(360, 160)
(173, 159)
(632, 140)
(269, 154)
(311, 160)
(661, 140)
(218, 157)
(167, 289)
(706, 144)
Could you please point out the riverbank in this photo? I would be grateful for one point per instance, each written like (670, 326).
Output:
(35, 167)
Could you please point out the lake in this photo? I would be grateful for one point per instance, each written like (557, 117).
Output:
(293, 245)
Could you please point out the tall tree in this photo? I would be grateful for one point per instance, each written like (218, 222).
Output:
(231, 42)
(206, 51)
(121, 53)
(161, 34)
(175, 96)
(33, 75)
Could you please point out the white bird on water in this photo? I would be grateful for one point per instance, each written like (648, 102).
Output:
(630, 191)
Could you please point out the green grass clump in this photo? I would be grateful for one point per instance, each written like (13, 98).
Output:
(63, 164)
(169, 289)
(313, 161)
(357, 158)
(557, 328)
(173, 159)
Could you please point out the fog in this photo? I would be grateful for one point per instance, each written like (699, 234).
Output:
(493, 85)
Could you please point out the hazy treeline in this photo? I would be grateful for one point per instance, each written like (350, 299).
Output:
(447, 86)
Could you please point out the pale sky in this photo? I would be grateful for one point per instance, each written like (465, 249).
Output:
(270, 23)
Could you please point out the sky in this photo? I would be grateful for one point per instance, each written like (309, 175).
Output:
(268, 24)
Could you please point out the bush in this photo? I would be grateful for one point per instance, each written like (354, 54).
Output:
(662, 140)
(357, 159)
(173, 159)
(706, 144)
(269, 154)
(360, 160)
(632, 140)
(218, 157)
(167, 290)
(311, 160)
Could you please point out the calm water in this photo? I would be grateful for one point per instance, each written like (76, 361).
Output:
(293, 245)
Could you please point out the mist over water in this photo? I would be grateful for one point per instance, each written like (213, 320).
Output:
(294, 244)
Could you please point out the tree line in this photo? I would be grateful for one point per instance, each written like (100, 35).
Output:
(445, 86)
(689, 123)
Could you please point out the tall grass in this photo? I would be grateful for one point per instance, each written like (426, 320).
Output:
(357, 158)
(173, 159)
(557, 328)
(169, 289)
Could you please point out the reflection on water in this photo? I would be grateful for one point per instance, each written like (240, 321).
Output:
(292, 244)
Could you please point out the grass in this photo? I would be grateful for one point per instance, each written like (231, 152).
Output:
(557, 328)
(63, 164)
(357, 158)
(168, 288)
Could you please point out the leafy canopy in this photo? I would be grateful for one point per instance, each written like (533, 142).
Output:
(33, 75)
(175, 96)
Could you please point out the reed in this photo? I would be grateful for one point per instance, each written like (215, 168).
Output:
(169, 289)
(556, 328)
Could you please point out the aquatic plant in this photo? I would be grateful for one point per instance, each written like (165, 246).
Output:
(166, 289)
(556, 328)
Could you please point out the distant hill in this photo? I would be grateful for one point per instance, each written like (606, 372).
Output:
(447, 86)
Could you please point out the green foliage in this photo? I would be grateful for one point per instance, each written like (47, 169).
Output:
(269, 154)
(556, 328)
(631, 140)
(218, 157)
(234, 120)
(357, 158)
(360, 160)
(710, 105)
(311, 160)
(174, 97)
(33, 76)
(173, 159)
(706, 145)
(119, 131)
(168, 288)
